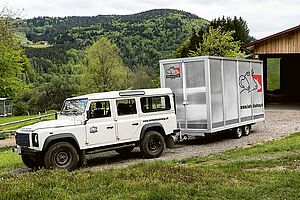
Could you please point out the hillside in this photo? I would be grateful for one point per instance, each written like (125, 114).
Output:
(142, 38)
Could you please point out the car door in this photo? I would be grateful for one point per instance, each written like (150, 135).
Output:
(127, 119)
(101, 127)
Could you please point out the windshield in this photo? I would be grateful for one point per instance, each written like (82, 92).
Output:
(74, 106)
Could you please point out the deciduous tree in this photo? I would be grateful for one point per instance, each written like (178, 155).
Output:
(13, 62)
(218, 43)
(104, 68)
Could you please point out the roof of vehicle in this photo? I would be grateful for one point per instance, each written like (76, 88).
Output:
(124, 93)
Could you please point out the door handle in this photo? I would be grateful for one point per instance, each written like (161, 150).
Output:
(109, 127)
(135, 124)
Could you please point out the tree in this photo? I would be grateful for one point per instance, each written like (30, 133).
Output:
(104, 68)
(142, 77)
(191, 44)
(218, 43)
(13, 62)
(238, 25)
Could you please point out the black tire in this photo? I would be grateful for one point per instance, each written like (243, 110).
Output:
(31, 161)
(124, 150)
(246, 130)
(152, 144)
(237, 132)
(61, 155)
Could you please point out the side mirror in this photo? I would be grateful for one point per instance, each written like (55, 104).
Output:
(56, 115)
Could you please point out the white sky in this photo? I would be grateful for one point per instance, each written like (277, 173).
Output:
(264, 17)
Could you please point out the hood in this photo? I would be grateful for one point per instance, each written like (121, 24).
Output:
(51, 124)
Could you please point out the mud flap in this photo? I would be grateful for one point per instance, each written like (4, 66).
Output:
(169, 142)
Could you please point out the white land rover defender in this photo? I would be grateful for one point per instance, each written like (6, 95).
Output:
(117, 120)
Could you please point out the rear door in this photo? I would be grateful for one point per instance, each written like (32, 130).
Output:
(101, 127)
(127, 119)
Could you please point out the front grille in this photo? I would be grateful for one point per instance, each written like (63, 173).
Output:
(22, 139)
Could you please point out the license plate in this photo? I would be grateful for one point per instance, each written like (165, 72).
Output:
(17, 150)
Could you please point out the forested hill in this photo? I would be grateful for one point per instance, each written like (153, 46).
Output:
(142, 38)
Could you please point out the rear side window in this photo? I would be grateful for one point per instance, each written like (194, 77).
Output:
(126, 107)
(155, 104)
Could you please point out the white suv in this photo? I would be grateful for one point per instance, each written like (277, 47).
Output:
(118, 120)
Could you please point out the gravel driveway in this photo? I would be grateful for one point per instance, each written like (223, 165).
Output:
(279, 123)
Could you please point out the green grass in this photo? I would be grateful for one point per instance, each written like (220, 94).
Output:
(39, 46)
(273, 74)
(8, 159)
(21, 124)
(15, 118)
(265, 171)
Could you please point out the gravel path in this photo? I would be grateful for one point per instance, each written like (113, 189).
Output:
(279, 123)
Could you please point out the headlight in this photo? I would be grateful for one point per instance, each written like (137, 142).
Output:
(35, 139)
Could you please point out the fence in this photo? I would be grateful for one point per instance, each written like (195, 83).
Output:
(11, 132)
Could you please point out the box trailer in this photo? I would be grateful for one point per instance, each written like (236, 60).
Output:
(215, 94)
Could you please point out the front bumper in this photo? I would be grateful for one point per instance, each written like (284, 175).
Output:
(24, 150)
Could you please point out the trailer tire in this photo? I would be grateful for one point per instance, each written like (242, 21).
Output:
(124, 150)
(152, 144)
(61, 155)
(246, 130)
(237, 132)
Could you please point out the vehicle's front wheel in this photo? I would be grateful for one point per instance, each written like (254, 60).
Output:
(152, 144)
(32, 161)
(61, 155)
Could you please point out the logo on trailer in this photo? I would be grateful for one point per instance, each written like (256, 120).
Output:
(173, 72)
(250, 82)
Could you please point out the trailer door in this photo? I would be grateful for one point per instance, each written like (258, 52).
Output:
(172, 77)
(187, 81)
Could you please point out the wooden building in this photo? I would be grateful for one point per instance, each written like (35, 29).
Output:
(286, 46)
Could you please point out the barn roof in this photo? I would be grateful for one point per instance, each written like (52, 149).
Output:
(256, 42)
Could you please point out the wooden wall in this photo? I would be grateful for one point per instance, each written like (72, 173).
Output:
(287, 43)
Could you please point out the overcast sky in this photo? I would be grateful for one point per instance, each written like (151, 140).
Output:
(264, 17)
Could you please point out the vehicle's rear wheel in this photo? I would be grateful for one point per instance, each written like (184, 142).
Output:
(32, 161)
(246, 130)
(61, 155)
(152, 144)
(124, 150)
(237, 132)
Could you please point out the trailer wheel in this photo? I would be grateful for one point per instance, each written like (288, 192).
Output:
(237, 132)
(61, 155)
(246, 130)
(152, 144)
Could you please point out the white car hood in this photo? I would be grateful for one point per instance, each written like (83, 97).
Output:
(52, 124)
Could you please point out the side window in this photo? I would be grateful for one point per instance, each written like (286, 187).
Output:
(154, 104)
(100, 109)
(126, 107)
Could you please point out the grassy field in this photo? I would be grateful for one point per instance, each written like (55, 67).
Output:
(265, 171)
(15, 118)
(273, 74)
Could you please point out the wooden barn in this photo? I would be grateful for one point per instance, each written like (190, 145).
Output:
(284, 45)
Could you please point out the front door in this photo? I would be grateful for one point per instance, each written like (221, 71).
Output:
(101, 127)
(127, 119)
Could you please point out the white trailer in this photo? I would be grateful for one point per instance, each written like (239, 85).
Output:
(215, 94)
